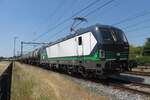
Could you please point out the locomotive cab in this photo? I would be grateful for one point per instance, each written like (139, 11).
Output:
(113, 49)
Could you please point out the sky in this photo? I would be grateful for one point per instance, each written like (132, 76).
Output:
(28, 19)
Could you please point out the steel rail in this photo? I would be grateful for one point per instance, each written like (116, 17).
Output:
(138, 73)
(130, 89)
(132, 86)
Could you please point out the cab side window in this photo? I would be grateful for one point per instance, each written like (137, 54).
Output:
(80, 40)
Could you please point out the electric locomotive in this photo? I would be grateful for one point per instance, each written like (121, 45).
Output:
(97, 50)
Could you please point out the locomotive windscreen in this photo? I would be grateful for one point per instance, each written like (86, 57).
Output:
(113, 35)
(120, 36)
(106, 34)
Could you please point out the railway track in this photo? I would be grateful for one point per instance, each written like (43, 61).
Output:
(138, 73)
(135, 87)
(131, 86)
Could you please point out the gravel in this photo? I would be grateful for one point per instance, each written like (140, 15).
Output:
(111, 92)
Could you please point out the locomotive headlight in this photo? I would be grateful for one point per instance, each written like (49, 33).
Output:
(118, 54)
(102, 54)
(96, 28)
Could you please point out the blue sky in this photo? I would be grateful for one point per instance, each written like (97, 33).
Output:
(27, 19)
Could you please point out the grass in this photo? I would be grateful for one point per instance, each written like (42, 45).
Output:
(31, 83)
(3, 66)
(22, 84)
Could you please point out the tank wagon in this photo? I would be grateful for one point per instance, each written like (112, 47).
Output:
(97, 50)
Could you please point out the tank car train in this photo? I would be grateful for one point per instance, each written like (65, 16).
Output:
(98, 50)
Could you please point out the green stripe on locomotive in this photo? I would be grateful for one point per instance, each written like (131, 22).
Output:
(92, 57)
(113, 55)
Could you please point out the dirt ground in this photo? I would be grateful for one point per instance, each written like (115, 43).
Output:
(31, 83)
(142, 69)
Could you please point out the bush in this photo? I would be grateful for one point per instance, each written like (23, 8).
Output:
(143, 60)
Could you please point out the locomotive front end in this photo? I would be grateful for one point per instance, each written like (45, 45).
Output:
(114, 50)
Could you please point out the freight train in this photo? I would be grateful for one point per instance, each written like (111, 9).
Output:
(98, 50)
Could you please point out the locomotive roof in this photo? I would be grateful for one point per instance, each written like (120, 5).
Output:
(79, 32)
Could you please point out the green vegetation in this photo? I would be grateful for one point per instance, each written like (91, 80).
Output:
(141, 53)
(33, 83)
(143, 60)
(21, 84)
(135, 52)
(146, 48)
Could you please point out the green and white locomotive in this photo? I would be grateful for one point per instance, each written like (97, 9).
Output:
(93, 51)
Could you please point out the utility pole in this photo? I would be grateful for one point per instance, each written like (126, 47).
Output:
(15, 38)
(21, 48)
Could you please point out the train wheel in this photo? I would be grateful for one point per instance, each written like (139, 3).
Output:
(84, 73)
(69, 70)
(90, 75)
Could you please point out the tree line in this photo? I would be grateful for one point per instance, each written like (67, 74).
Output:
(141, 53)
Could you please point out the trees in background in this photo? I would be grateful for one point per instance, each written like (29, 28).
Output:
(2, 58)
(134, 51)
(146, 48)
(141, 53)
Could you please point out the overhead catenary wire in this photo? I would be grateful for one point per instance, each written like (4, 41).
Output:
(52, 14)
(136, 29)
(60, 16)
(139, 36)
(67, 19)
(88, 14)
(132, 18)
(136, 24)
(98, 8)
(122, 21)
(125, 20)
(141, 14)
(63, 29)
